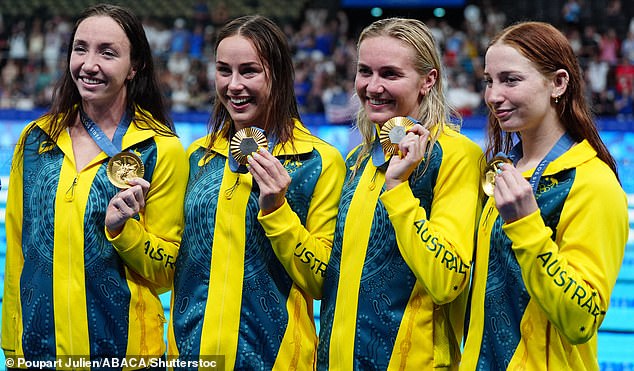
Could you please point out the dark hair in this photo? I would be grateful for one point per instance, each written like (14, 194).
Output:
(549, 50)
(272, 48)
(142, 91)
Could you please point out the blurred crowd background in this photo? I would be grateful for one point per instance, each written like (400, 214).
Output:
(322, 35)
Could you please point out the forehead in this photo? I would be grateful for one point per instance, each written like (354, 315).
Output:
(505, 58)
(236, 48)
(101, 29)
(385, 50)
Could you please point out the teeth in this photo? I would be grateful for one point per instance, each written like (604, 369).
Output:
(90, 81)
(239, 100)
(377, 101)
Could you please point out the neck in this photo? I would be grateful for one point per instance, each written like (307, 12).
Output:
(105, 114)
(536, 145)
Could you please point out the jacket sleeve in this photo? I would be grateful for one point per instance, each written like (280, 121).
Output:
(14, 259)
(438, 246)
(304, 251)
(150, 245)
(572, 278)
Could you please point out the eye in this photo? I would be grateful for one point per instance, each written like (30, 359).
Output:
(109, 53)
(364, 71)
(389, 74)
(79, 49)
(223, 70)
(510, 80)
(250, 72)
(487, 82)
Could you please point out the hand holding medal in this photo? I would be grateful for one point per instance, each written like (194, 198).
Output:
(492, 169)
(408, 138)
(245, 142)
(250, 146)
(393, 132)
(123, 167)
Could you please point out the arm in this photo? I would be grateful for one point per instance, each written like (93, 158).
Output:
(14, 260)
(572, 277)
(150, 245)
(305, 250)
(438, 246)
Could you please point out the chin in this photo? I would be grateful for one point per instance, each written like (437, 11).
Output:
(380, 119)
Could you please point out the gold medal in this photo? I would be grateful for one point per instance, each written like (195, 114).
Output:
(245, 142)
(392, 132)
(490, 171)
(123, 167)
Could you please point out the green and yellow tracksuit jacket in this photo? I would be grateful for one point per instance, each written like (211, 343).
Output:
(542, 284)
(69, 289)
(244, 283)
(394, 295)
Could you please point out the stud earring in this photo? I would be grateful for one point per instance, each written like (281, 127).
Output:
(557, 99)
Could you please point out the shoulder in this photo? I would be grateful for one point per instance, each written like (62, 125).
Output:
(597, 174)
(303, 136)
(200, 143)
(458, 146)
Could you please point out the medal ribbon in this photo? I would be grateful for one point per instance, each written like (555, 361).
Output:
(563, 144)
(236, 167)
(113, 147)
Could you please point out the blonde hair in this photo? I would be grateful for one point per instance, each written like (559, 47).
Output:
(434, 112)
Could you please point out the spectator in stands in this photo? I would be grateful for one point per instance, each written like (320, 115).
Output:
(571, 12)
(624, 92)
(52, 45)
(590, 41)
(462, 96)
(627, 47)
(609, 47)
(18, 44)
(552, 236)
(36, 41)
(258, 233)
(86, 258)
(400, 261)
(596, 76)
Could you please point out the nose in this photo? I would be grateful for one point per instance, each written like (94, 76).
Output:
(493, 95)
(375, 85)
(236, 82)
(91, 63)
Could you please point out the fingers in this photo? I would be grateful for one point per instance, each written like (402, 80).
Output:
(132, 200)
(267, 170)
(511, 181)
(413, 145)
(418, 129)
(513, 194)
(144, 184)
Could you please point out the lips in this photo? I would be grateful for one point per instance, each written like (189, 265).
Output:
(240, 101)
(503, 114)
(90, 80)
(378, 102)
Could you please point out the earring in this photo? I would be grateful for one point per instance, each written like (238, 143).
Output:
(557, 99)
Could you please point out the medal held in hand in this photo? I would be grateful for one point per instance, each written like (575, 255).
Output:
(491, 170)
(245, 142)
(392, 132)
(123, 167)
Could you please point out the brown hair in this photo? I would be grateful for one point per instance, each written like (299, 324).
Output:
(143, 90)
(549, 50)
(272, 47)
